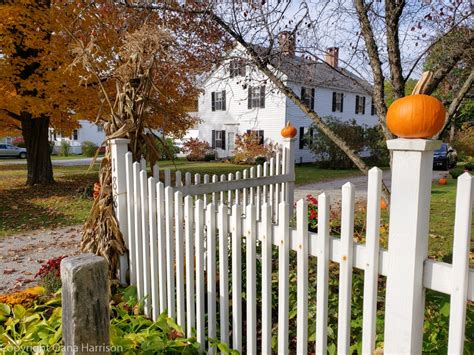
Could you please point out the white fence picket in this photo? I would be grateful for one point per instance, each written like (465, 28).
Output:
(244, 190)
(236, 278)
(237, 192)
(267, 279)
(223, 228)
(322, 291)
(153, 247)
(200, 285)
(130, 218)
(460, 268)
(252, 189)
(211, 272)
(277, 186)
(179, 239)
(251, 289)
(188, 232)
(265, 187)
(271, 192)
(222, 194)
(167, 177)
(258, 199)
(230, 177)
(206, 181)
(170, 251)
(178, 179)
(187, 178)
(156, 172)
(138, 230)
(145, 242)
(162, 271)
(214, 194)
(283, 274)
(372, 261)
(345, 272)
(302, 277)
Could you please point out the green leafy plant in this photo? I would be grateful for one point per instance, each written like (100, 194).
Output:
(89, 148)
(456, 172)
(64, 148)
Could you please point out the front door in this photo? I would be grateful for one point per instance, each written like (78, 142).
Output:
(230, 142)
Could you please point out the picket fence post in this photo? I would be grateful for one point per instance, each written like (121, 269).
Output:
(412, 167)
(289, 168)
(119, 148)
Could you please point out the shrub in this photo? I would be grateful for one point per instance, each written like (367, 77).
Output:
(469, 166)
(167, 148)
(332, 156)
(49, 274)
(19, 142)
(64, 148)
(377, 145)
(248, 148)
(464, 142)
(89, 148)
(456, 172)
(196, 149)
(210, 156)
(260, 160)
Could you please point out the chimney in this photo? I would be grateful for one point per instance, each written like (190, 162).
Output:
(287, 43)
(332, 57)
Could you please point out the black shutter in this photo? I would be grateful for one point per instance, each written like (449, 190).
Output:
(262, 96)
(260, 134)
(223, 146)
(333, 102)
(213, 140)
(311, 134)
(249, 103)
(372, 107)
(223, 100)
(357, 104)
(301, 142)
(312, 98)
(342, 102)
(363, 105)
(303, 92)
(213, 101)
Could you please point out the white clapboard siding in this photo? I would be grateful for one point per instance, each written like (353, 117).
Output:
(236, 232)
(283, 274)
(189, 240)
(211, 271)
(153, 247)
(179, 239)
(302, 278)
(130, 218)
(170, 251)
(267, 279)
(138, 230)
(200, 285)
(223, 228)
(322, 291)
(372, 261)
(145, 241)
(162, 270)
(460, 268)
(251, 287)
(345, 272)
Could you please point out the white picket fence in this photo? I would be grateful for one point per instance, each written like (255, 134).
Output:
(185, 252)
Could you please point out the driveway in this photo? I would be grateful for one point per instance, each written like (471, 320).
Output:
(333, 187)
(58, 162)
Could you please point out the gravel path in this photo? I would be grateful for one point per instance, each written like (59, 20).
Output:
(333, 187)
(22, 255)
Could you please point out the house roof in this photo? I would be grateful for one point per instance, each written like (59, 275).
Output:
(318, 74)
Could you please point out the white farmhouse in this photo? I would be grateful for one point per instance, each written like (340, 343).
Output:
(87, 131)
(237, 98)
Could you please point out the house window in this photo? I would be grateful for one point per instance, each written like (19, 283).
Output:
(256, 97)
(218, 139)
(360, 105)
(100, 128)
(259, 134)
(337, 102)
(236, 68)
(218, 100)
(373, 110)
(307, 96)
(74, 135)
(306, 137)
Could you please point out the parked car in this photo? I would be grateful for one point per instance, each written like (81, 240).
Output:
(445, 157)
(8, 150)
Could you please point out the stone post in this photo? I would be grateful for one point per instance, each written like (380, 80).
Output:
(412, 173)
(119, 147)
(85, 305)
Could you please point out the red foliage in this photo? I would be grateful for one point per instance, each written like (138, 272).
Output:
(196, 149)
(51, 266)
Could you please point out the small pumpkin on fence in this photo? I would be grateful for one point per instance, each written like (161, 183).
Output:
(416, 115)
(289, 131)
(442, 181)
(96, 192)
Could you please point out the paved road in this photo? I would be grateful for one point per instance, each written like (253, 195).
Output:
(333, 187)
(59, 162)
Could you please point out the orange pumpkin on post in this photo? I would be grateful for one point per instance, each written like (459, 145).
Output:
(289, 131)
(417, 115)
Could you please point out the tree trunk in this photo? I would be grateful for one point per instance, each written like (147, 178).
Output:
(35, 134)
